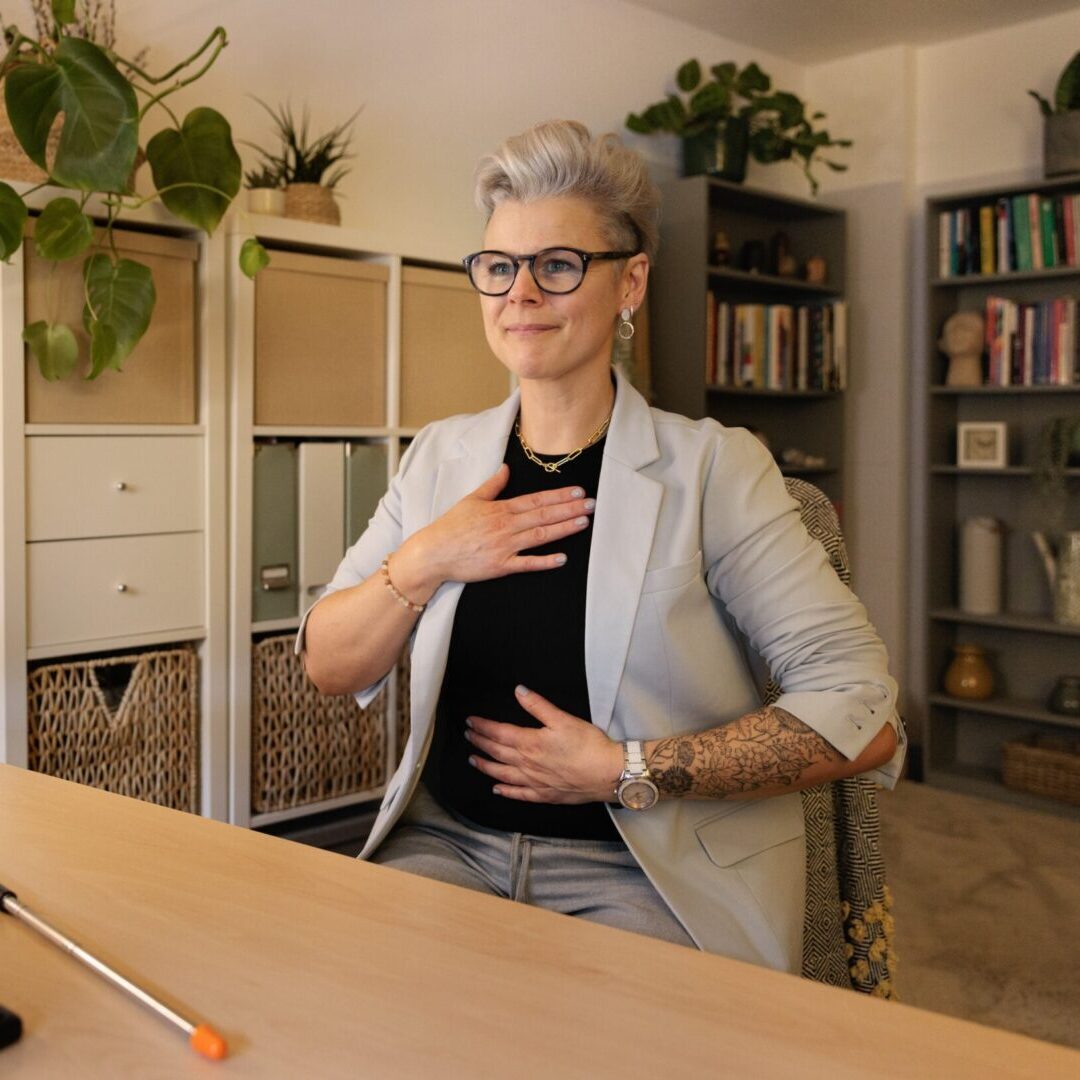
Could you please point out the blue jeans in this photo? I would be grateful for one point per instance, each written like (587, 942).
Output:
(596, 880)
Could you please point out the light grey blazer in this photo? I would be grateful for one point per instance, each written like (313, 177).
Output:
(694, 534)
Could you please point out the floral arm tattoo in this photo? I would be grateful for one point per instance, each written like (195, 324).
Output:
(766, 748)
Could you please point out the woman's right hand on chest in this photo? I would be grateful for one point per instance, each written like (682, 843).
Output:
(482, 537)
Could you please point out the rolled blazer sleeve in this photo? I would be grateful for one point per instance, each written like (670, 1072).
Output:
(778, 585)
(383, 535)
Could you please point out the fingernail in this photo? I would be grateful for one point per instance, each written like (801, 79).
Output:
(468, 721)
(472, 761)
(560, 559)
(590, 504)
(577, 493)
(581, 521)
(468, 736)
(497, 790)
(521, 691)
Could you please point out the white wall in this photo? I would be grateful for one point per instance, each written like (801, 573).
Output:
(441, 83)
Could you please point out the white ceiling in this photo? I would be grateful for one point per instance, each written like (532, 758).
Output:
(814, 31)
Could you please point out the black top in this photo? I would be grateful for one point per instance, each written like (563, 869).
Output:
(524, 629)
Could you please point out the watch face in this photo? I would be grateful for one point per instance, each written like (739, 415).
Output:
(638, 794)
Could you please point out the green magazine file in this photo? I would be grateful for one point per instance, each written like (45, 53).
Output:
(365, 484)
(275, 592)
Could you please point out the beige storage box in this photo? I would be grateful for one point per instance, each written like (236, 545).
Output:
(158, 384)
(320, 342)
(446, 365)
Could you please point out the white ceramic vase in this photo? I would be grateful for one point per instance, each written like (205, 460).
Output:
(266, 201)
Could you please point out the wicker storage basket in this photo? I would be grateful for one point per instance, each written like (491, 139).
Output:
(306, 746)
(1044, 765)
(128, 724)
(312, 202)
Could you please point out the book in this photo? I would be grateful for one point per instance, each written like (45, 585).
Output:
(1021, 222)
(986, 239)
(1034, 221)
(1049, 234)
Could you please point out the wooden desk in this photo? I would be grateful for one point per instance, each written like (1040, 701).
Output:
(315, 965)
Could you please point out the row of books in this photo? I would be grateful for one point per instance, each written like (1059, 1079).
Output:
(1017, 232)
(1031, 344)
(776, 346)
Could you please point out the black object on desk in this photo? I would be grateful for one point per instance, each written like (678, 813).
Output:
(10, 1027)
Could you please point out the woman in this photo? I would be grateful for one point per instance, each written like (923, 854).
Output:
(575, 570)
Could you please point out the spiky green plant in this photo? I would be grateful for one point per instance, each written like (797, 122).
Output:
(307, 160)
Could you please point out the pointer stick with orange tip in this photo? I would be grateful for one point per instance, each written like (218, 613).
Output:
(202, 1037)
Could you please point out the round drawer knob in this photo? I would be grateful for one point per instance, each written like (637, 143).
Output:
(121, 587)
(121, 486)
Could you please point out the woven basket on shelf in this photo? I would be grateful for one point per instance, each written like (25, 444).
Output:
(312, 202)
(1044, 765)
(307, 746)
(127, 724)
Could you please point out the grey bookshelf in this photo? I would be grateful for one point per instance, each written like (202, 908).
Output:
(962, 740)
(694, 209)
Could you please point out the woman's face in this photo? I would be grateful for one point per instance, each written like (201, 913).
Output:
(540, 335)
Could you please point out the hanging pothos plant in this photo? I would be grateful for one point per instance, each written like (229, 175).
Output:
(196, 172)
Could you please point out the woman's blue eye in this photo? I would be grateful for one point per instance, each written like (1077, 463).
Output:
(557, 266)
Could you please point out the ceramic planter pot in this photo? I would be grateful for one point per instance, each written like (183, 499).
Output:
(266, 201)
(721, 155)
(1061, 143)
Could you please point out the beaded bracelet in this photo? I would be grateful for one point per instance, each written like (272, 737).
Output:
(399, 597)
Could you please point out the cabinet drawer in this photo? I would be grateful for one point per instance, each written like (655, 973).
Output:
(81, 590)
(100, 485)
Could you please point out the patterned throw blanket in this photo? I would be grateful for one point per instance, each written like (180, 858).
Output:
(848, 926)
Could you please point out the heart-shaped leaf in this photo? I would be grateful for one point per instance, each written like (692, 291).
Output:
(688, 76)
(196, 168)
(120, 302)
(96, 149)
(54, 347)
(12, 221)
(62, 231)
(253, 257)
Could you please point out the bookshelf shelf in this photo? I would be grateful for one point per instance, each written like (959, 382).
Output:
(991, 391)
(771, 281)
(1017, 710)
(695, 209)
(1037, 624)
(959, 281)
(962, 741)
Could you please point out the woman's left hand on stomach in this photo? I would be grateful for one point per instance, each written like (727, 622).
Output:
(565, 760)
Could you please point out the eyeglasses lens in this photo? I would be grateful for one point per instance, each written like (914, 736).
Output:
(556, 270)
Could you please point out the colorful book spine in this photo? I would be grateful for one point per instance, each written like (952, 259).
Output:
(1049, 234)
(986, 239)
(1034, 220)
(1021, 223)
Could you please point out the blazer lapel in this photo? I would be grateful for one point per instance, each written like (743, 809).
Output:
(482, 449)
(627, 508)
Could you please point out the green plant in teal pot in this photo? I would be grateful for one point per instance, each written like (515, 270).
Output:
(98, 101)
(735, 115)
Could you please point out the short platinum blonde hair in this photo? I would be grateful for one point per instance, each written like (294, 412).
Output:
(560, 157)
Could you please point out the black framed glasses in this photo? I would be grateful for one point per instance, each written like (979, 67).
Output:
(555, 270)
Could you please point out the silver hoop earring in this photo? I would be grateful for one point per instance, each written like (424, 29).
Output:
(626, 327)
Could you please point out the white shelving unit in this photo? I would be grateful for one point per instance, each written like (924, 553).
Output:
(302, 238)
(17, 602)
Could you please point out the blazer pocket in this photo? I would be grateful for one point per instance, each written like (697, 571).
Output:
(736, 833)
(672, 577)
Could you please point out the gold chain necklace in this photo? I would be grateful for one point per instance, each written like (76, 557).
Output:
(554, 466)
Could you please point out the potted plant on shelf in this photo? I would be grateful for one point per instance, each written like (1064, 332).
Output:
(735, 115)
(1061, 122)
(266, 193)
(1059, 449)
(63, 85)
(310, 166)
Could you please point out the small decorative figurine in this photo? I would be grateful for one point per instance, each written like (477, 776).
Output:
(961, 341)
(815, 270)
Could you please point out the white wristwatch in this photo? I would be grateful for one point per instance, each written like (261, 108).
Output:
(635, 788)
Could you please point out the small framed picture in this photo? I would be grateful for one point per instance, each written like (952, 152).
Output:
(981, 444)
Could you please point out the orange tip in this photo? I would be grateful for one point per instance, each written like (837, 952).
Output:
(208, 1042)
